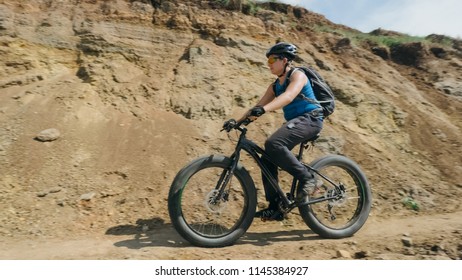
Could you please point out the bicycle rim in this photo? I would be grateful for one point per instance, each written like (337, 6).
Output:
(208, 214)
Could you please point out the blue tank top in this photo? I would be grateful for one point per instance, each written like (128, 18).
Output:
(298, 106)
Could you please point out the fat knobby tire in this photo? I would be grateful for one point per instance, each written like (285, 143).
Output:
(176, 211)
(362, 212)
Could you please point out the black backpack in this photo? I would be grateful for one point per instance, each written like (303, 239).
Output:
(322, 92)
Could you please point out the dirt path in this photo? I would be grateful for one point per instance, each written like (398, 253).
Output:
(419, 237)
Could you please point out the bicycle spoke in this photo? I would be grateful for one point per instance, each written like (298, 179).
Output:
(208, 212)
(337, 213)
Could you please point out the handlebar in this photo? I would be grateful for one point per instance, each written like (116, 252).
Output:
(231, 124)
(245, 122)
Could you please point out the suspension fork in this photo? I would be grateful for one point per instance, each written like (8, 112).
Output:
(223, 182)
(228, 173)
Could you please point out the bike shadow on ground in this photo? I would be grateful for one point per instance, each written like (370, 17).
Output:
(267, 238)
(152, 232)
(155, 232)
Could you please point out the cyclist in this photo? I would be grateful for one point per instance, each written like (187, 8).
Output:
(304, 121)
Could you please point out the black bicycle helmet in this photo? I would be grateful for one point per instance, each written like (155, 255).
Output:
(283, 49)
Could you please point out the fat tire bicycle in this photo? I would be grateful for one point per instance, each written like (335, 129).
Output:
(213, 199)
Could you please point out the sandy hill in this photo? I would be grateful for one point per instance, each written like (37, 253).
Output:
(133, 90)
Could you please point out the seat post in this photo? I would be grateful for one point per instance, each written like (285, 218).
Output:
(300, 151)
(304, 145)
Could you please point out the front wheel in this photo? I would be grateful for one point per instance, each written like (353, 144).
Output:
(341, 210)
(208, 206)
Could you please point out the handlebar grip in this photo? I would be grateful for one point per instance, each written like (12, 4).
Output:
(246, 121)
(228, 126)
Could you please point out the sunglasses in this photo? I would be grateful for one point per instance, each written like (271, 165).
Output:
(273, 59)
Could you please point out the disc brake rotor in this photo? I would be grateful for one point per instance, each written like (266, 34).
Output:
(213, 204)
(338, 201)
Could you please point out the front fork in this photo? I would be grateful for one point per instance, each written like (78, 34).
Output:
(225, 178)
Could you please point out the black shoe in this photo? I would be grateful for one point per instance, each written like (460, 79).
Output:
(270, 214)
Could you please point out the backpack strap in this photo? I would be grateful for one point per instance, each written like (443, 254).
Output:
(274, 86)
(290, 73)
(300, 95)
(288, 79)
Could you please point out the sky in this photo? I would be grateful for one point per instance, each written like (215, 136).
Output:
(412, 17)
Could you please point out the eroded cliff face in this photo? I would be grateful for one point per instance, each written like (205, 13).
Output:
(139, 88)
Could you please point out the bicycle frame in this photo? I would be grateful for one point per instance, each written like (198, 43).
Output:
(257, 153)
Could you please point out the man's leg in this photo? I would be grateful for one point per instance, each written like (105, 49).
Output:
(270, 193)
(279, 145)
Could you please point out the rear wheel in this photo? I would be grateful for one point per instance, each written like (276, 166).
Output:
(204, 213)
(349, 205)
